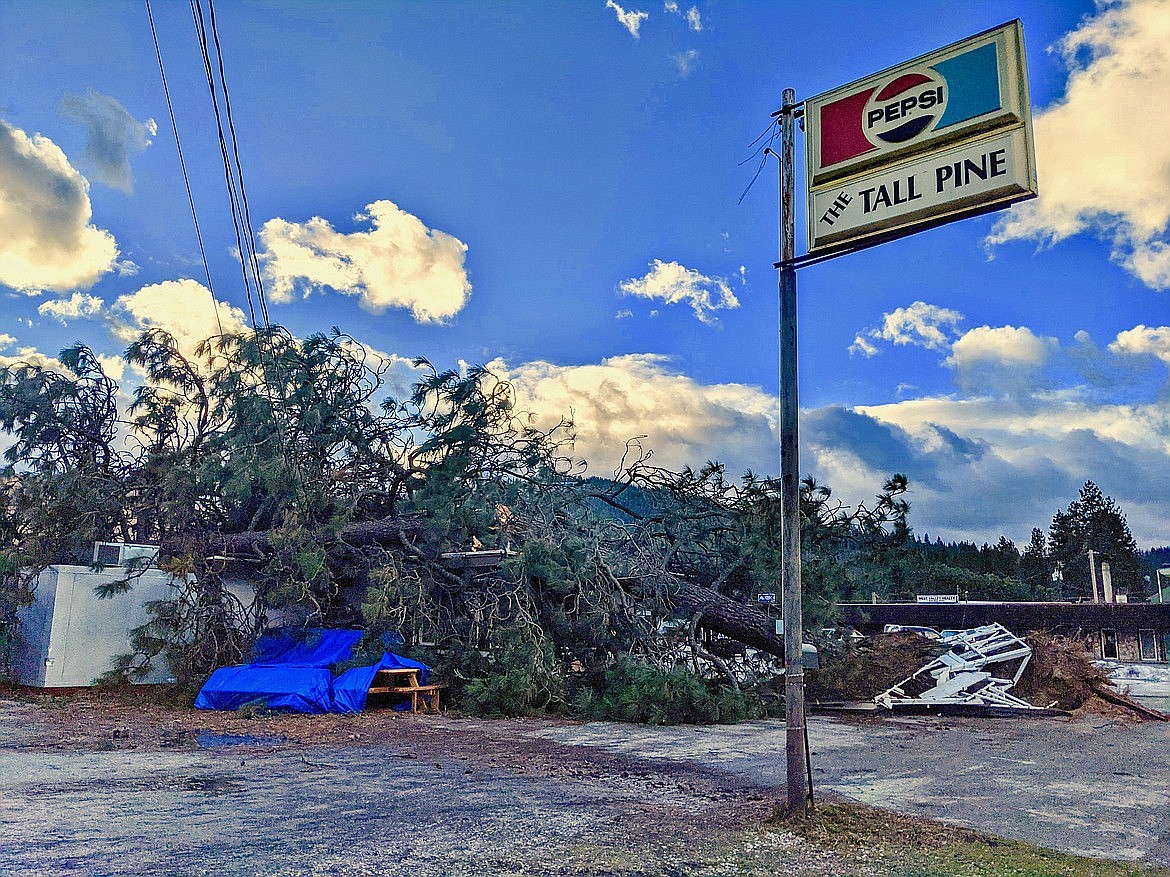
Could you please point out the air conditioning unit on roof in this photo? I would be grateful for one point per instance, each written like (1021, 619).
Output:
(120, 553)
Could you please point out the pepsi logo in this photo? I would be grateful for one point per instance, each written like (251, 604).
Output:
(905, 107)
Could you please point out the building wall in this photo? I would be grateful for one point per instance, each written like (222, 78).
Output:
(34, 631)
(1128, 644)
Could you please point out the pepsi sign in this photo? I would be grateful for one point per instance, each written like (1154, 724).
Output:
(940, 137)
(905, 108)
(941, 97)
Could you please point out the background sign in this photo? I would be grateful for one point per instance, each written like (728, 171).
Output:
(941, 137)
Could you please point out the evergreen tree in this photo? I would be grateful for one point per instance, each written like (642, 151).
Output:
(1094, 522)
(1036, 569)
(1002, 558)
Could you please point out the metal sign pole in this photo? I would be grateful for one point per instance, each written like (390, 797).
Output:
(978, 156)
(794, 746)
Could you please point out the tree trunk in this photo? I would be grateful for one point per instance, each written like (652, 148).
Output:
(256, 544)
(742, 622)
(739, 621)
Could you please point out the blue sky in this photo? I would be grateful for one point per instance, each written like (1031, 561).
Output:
(554, 189)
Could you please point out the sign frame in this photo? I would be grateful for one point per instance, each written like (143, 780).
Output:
(1011, 115)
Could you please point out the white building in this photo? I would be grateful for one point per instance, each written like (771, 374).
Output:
(69, 636)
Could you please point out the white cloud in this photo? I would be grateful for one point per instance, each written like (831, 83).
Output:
(46, 239)
(29, 355)
(78, 305)
(1151, 340)
(693, 17)
(184, 308)
(674, 284)
(919, 325)
(864, 346)
(685, 61)
(984, 467)
(1015, 361)
(113, 135)
(1032, 421)
(979, 467)
(1003, 344)
(1101, 169)
(115, 368)
(623, 314)
(631, 21)
(1003, 359)
(623, 397)
(398, 263)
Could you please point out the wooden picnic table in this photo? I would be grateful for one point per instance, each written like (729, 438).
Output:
(405, 681)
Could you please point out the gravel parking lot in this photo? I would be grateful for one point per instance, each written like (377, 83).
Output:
(1093, 786)
(86, 793)
(92, 788)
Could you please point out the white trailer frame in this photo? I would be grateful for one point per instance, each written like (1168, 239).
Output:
(960, 676)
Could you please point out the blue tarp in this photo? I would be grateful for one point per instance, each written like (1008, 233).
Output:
(290, 672)
(314, 647)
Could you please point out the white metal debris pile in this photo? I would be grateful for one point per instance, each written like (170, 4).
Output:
(959, 676)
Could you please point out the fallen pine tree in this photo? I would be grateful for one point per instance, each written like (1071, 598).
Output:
(265, 460)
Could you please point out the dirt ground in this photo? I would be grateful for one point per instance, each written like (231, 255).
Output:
(97, 786)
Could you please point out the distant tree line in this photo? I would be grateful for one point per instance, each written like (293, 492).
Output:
(1053, 565)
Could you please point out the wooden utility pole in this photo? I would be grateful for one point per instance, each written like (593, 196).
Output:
(794, 744)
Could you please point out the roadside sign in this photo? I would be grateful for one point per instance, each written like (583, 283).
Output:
(938, 138)
(765, 598)
(937, 598)
(975, 176)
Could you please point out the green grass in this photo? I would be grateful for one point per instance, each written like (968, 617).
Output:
(901, 846)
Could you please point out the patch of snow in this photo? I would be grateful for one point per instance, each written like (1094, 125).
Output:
(1120, 672)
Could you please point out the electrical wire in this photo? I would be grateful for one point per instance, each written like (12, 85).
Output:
(273, 373)
(233, 185)
(774, 124)
(248, 232)
(183, 165)
(767, 150)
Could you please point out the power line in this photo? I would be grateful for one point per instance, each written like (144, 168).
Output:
(183, 164)
(767, 150)
(228, 175)
(271, 373)
(252, 256)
